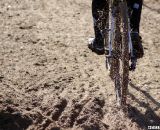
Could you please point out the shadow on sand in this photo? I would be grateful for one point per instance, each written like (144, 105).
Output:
(149, 118)
(152, 9)
(13, 121)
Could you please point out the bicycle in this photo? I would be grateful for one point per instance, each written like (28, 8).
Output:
(115, 28)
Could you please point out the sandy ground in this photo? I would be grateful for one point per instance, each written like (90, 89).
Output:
(50, 80)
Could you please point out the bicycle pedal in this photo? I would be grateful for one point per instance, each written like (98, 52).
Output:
(131, 69)
(106, 51)
(108, 56)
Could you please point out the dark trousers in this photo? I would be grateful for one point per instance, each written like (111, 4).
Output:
(134, 5)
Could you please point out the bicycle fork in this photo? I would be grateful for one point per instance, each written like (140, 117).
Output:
(131, 52)
(110, 42)
(110, 38)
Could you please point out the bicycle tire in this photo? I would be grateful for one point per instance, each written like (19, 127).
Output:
(124, 51)
(116, 57)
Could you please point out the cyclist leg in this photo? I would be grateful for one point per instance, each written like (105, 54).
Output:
(136, 9)
(97, 44)
(97, 5)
